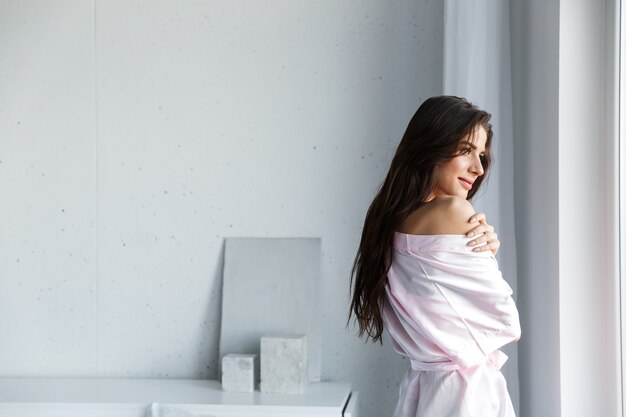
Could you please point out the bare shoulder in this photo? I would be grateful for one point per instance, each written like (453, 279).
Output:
(443, 215)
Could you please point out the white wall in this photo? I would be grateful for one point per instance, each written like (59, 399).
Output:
(135, 136)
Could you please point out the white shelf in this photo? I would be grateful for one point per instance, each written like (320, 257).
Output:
(68, 397)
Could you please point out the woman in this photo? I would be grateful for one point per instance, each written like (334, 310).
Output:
(427, 272)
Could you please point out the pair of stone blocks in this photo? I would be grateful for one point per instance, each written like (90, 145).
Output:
(284, 367)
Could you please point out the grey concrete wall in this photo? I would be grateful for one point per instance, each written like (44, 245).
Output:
(136, 135)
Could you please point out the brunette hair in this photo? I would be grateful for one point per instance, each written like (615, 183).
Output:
(431, 139)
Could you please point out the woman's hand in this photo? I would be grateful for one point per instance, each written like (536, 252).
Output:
(483, 233)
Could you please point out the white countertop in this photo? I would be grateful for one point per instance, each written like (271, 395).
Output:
(203, 396)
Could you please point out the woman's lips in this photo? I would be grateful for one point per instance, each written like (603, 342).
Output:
(466, 184)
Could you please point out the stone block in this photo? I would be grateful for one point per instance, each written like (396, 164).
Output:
(284, 364)
(239, 372)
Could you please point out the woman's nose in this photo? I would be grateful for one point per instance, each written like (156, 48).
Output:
(477, 167)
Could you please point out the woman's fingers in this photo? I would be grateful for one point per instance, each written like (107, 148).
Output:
(492, 246)
(489, 237)
(486, 236)
(482, 226)
(478, 217)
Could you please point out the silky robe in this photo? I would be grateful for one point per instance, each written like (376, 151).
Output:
(448, 310)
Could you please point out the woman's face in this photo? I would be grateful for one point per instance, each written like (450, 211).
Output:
(458, 174)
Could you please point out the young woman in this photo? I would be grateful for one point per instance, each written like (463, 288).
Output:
(426, 270)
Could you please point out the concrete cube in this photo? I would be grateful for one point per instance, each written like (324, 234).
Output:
(239, 372)
(284, 364)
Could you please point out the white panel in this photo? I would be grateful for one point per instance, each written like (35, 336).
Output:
(271, 286)
(588, 279)
(47, 179)
(618, 123)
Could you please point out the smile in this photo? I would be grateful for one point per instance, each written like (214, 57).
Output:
(465, 184)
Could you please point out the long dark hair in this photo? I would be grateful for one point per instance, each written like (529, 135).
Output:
(431, 139)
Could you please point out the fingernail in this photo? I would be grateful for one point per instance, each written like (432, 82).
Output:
(470, 234)
(476, 249)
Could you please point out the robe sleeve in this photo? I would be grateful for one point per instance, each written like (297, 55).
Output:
(459, 301)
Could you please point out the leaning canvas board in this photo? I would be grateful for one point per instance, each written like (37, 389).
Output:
(271, 286)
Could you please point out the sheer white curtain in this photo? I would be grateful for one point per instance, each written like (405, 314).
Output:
(477, 66)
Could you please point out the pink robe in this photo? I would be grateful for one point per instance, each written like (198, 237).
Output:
(448, 310)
